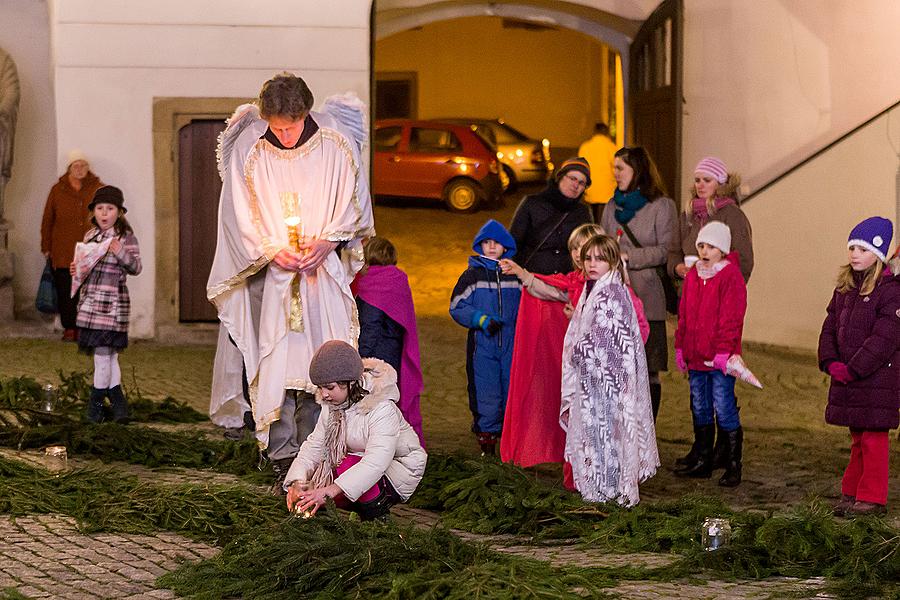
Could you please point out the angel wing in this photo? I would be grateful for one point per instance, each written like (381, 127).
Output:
(243, 116)
(351, 113)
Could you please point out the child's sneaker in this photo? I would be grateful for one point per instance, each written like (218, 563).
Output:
(488, 442)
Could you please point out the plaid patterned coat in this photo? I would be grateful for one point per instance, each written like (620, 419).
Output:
(104, 302)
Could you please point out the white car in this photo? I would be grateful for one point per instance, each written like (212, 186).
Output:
(524, 159)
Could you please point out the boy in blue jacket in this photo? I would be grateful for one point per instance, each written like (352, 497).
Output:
(486, 302)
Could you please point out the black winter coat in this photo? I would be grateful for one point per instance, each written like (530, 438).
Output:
(864, 333)
(379, 335)
(547, 214)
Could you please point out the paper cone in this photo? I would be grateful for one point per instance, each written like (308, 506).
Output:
(736, 368)
(86, 256)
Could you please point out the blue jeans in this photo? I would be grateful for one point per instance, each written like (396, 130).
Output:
(712, 394)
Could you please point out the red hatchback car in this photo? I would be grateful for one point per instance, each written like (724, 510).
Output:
(431, 159)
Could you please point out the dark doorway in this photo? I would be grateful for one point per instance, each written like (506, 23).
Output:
(198, 206)
(655, 91)
(395, 95)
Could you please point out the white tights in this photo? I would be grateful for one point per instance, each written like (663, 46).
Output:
(106, 368)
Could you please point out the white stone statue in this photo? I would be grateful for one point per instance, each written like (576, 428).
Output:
(9, 109)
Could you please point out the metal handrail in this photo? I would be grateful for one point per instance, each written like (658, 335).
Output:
(819, 152)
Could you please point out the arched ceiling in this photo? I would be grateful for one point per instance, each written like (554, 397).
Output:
(622, 16)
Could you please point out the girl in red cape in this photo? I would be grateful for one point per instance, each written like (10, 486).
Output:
(531, 431)
(387, 321)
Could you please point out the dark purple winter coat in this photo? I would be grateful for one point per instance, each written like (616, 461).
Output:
(864, 333)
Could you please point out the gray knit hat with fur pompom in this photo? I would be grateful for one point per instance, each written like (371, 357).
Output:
(335, 361)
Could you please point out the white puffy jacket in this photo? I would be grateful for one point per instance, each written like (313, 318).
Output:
(376, 431)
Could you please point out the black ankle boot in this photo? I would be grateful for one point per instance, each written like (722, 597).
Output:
(377, 509)
(702, 467)
(119, 404)
(732, 476)
(95, 405)
(655, 398)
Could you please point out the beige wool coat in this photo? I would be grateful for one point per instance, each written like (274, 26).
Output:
(654, 226)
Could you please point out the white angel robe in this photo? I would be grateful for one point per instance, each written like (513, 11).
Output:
(610, 436)
(334, 205)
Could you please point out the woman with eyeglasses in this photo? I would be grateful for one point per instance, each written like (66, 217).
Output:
(644, 221)
(541, 227)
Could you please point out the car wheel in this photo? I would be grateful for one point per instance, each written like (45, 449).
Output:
(513, 183)
(462, 195)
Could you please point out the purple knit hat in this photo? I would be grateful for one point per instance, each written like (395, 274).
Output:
(873, 234)
(713, 167)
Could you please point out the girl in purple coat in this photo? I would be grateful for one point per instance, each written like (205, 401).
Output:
(860, 348)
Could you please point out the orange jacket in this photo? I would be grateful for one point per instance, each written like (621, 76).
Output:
(66, 218)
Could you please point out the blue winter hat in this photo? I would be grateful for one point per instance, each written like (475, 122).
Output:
(873, 234)
(493, 230)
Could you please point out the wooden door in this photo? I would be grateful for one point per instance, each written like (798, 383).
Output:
(198, 207)
(655, 96)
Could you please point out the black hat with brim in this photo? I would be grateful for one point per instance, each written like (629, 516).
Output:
(109, 194)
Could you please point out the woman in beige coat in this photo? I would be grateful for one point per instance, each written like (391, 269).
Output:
(362, 452)
(644, 221)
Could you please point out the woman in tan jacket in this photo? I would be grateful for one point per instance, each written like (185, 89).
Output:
(715, 196)
(66, 220)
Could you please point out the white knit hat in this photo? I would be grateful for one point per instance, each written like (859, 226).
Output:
(75, 154)
(716, 234)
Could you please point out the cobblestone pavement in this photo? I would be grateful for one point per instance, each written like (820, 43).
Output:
(44, 556)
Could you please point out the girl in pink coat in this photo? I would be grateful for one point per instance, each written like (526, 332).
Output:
(710, 324)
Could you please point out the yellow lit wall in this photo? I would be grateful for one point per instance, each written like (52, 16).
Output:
(545, 83)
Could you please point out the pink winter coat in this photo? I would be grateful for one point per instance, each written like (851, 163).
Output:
(711, 315)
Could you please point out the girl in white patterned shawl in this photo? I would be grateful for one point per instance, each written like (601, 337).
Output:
(606, 410)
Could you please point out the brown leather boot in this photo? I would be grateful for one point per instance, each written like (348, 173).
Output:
(841, 508)
(861, 509)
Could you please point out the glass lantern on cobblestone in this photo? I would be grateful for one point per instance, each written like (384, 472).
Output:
(56, 459)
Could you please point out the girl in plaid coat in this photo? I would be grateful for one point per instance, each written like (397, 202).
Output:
(104, 306)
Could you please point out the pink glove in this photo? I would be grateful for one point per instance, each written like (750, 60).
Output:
(679, 360)
(840, 372)
(720, 362)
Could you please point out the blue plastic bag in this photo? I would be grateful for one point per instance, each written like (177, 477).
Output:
(46, 294)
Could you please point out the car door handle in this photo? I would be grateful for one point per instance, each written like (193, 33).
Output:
(394, 159)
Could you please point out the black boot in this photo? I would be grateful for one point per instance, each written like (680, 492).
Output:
(378, 508)
(119, 404)
(280, 467)
(702, 467)
(691, 457)
(732, 476)
(720, 451)
(655, 398)
(95, 405)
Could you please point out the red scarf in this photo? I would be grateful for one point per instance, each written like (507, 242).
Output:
(700, 211)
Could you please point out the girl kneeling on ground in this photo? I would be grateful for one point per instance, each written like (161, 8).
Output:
(362, 452)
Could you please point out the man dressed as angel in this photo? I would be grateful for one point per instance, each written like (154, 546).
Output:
(294, 209)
